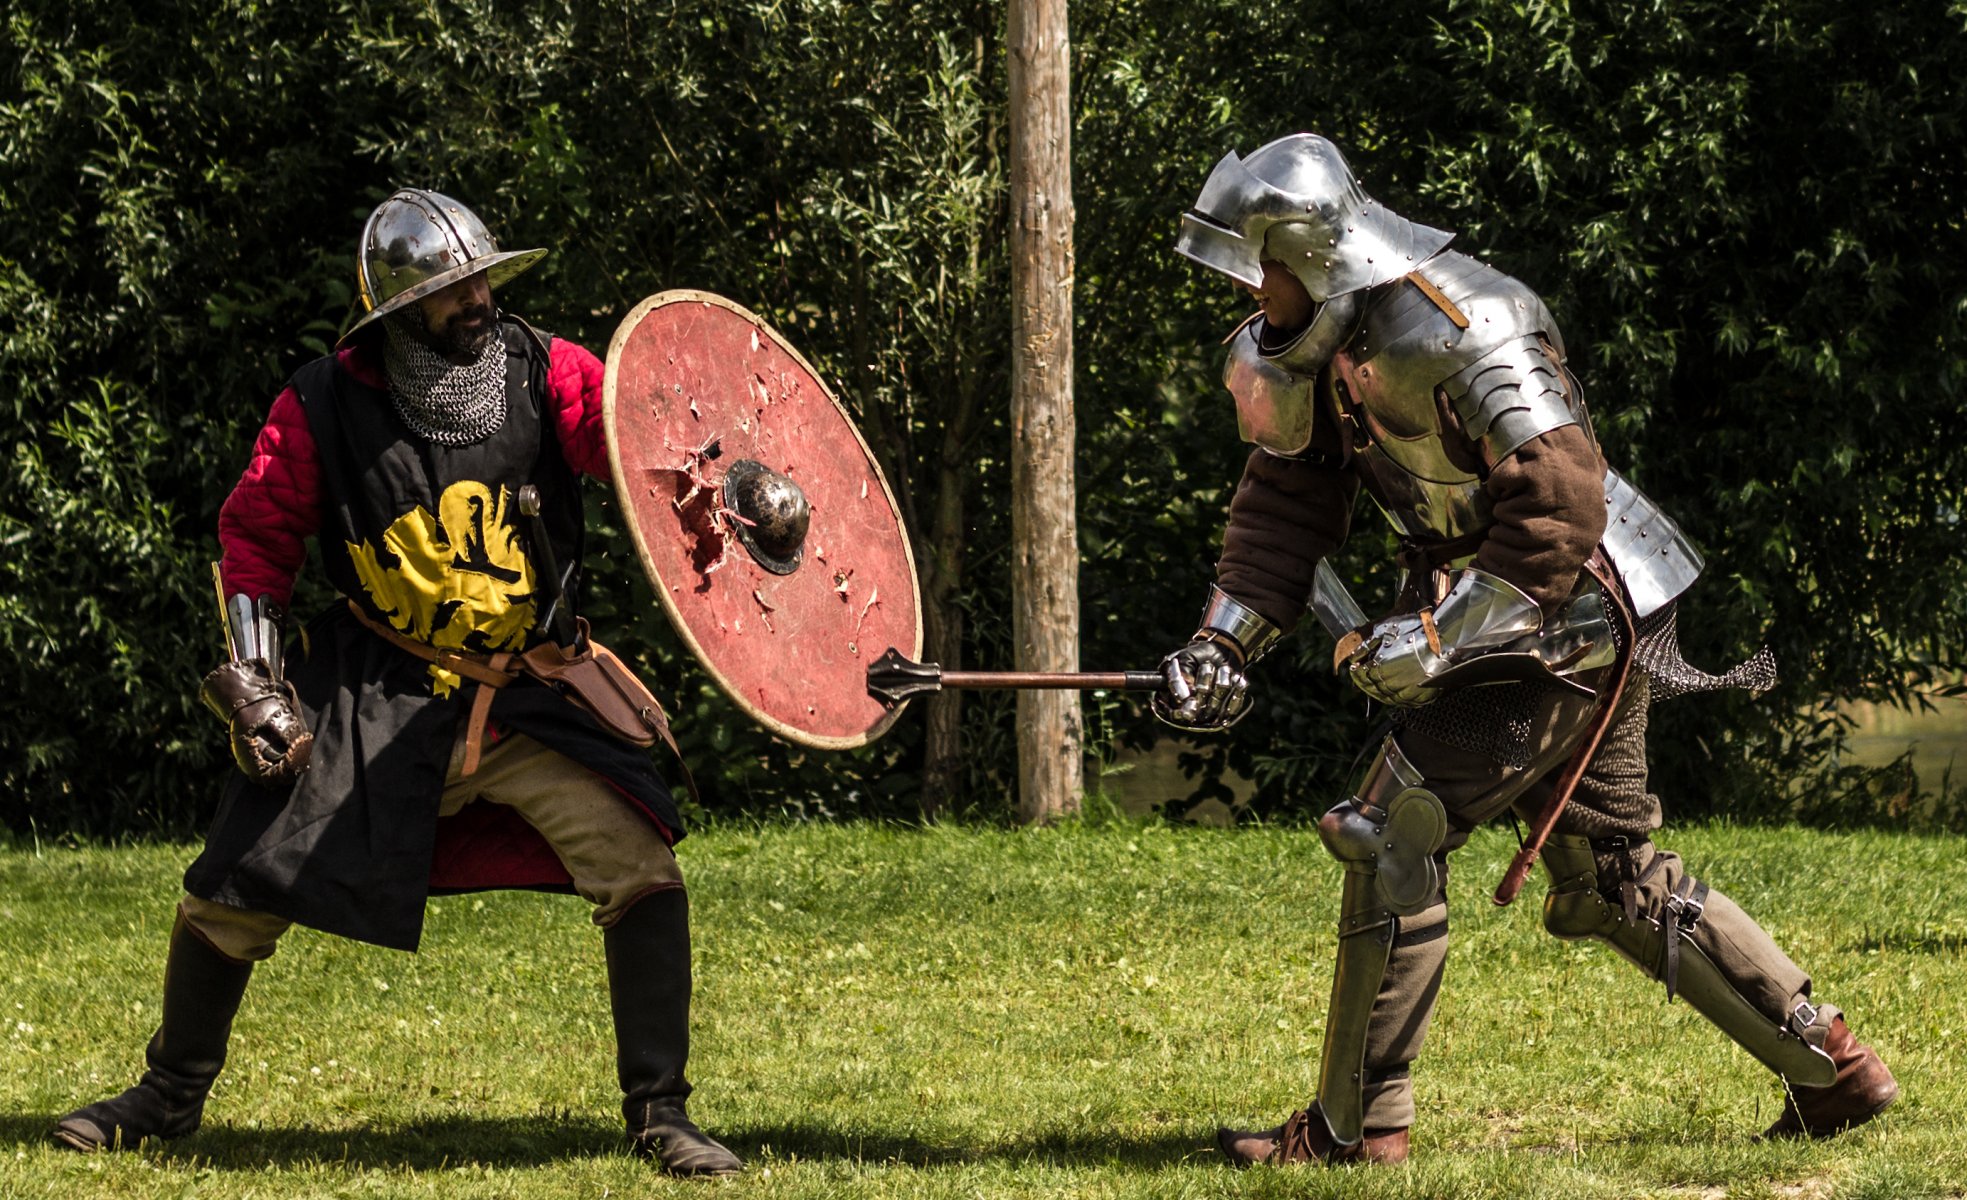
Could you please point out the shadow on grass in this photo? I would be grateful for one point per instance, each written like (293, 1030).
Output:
(538, 1141)
(423, 1145)
(1078, 1148)
(1919, 941)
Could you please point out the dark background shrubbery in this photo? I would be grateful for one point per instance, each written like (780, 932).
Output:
(1747, 216)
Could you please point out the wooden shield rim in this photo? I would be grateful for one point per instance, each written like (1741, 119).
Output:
(629, 324)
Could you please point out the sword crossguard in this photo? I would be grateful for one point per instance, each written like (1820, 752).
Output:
(892, 679)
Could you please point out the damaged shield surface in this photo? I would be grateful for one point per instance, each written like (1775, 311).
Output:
(760, 516)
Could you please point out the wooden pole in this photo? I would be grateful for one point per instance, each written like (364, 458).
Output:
(1044, 523)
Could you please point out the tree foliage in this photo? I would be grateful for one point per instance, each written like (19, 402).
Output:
(1747, 217)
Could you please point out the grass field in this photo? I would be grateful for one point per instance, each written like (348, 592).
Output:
(971, 1012)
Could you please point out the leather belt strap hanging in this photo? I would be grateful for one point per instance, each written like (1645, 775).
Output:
(1608, 704)
(1684, 906)
(594, 680)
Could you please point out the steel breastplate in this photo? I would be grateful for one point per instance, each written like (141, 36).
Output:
(1415, 385)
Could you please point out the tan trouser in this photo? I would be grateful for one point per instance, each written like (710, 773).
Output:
(613, 852)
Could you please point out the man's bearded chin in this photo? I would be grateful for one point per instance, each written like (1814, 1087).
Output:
(465, 334)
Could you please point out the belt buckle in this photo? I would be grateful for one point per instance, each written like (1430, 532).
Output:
(1686, 911)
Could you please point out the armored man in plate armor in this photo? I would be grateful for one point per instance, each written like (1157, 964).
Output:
(447, 724)
(1534, 627)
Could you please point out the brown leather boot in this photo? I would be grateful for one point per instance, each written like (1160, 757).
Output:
(1303, 1137)
(1863, 1089)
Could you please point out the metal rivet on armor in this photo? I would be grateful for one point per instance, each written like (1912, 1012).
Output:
(1328, 262)
(1369, 261)
(1622, 520)
(1331, 241)
(1642, 533)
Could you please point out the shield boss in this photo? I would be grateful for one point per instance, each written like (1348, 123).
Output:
(760, 516)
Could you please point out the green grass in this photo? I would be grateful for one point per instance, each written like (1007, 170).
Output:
(964, 1012)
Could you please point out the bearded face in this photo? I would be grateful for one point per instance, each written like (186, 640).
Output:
(457, 322)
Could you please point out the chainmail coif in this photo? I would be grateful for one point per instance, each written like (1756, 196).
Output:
(448, 404)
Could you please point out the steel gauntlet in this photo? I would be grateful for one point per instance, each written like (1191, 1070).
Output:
(1205, 687)
(270, 740)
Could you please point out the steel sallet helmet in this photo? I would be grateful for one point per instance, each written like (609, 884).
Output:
(418, 242)
(1296, 201)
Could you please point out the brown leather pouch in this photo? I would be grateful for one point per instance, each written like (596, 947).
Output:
(603, 685)
(599, 683)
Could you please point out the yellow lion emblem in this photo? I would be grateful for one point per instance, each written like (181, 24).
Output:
(459, 580)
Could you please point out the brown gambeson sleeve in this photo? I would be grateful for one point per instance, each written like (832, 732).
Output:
(1549, 509)
(1286, 515)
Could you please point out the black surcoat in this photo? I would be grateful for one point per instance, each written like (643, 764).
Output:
(354, 846)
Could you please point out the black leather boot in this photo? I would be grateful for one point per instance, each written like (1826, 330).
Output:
(201, 993)
(649, 988)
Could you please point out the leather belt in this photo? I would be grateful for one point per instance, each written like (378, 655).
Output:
(619, 703)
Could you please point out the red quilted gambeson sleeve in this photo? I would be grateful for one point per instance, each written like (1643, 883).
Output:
(574, 394)
(265, 522)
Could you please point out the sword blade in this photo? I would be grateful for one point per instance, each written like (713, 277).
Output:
(225, 622)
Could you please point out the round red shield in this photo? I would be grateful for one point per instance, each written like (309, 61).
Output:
(699, 389)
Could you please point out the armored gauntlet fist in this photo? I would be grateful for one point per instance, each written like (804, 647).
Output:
(1404, 657)
(270, 740)
(1398, 661)
(1204, 687)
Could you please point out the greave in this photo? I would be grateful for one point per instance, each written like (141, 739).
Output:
(1386, 836)
(202, 990)
(1663, 944)
(1357, 970)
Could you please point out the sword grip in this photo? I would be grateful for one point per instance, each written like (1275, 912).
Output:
(551, 583)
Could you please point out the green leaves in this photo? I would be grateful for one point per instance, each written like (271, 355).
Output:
(1747, 218)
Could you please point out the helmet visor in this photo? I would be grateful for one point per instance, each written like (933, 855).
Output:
(1220, 249)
